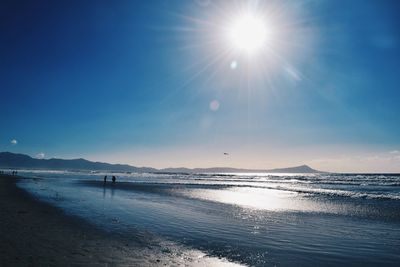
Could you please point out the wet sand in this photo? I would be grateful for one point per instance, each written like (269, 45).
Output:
(33, 233)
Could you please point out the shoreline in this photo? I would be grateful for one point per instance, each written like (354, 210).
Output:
(34, 233)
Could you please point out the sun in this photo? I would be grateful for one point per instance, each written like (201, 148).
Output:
(248, 33)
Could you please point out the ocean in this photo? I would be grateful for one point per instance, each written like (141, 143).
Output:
(254, 219)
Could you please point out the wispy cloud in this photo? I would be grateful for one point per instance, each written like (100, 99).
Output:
(14, 142)
(40, 155)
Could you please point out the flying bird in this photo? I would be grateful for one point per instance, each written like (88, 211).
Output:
(226, 154)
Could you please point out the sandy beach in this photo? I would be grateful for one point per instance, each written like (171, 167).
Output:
(33, 233)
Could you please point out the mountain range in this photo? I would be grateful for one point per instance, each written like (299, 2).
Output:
(20, 161)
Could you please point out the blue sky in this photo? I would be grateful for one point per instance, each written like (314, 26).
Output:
(150, 83)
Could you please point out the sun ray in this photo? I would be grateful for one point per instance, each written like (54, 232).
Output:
(265, 40)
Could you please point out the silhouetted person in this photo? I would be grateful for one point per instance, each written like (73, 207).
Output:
(113, 179)
(105, 179)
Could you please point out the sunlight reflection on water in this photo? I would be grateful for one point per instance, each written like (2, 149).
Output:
(255, 198)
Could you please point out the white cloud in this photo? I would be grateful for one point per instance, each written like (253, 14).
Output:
(40, 155)
(14, 142)
(394, 152)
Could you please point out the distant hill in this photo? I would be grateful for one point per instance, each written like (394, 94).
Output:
(296, 169)
(21, 161)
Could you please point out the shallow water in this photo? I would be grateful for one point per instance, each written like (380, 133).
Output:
(253, 219)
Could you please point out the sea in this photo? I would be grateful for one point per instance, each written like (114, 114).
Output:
(252, 219)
